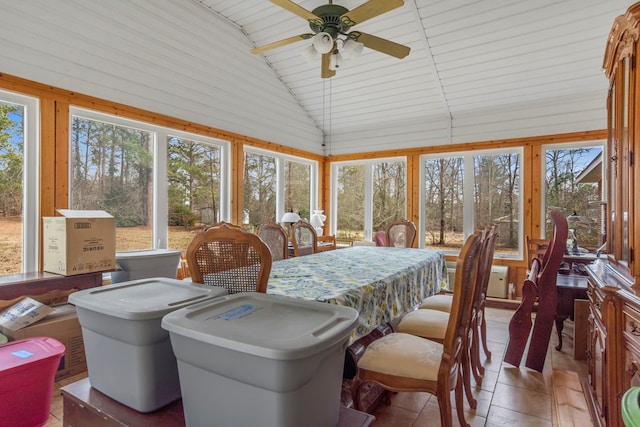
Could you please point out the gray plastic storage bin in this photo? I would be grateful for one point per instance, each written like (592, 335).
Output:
(134, 265)
(129, 355)
(261, 360)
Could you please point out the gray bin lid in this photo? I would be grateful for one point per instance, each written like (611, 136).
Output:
(269, 326)
(147, 253)
(145, 298)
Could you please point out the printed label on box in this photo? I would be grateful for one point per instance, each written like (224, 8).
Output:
(22, 314)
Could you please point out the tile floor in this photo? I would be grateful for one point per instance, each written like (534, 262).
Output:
(508, 396)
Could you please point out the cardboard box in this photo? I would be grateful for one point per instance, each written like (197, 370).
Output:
(79, 242)
(63, 325)
(22, 314)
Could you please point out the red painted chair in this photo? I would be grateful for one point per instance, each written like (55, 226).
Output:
(543, 287)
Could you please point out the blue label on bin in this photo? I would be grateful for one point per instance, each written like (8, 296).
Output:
(22, 354)
(238, 312)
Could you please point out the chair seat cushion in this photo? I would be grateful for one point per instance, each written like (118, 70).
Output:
(425, 323)
(403, 355)
(440, 302)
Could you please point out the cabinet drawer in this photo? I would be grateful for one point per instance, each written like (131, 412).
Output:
(596, 298)
(631, 328)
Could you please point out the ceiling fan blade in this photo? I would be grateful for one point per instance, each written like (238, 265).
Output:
(381, 45)
(326, 73)
(369, 10)
(280, 43)
(296, 9)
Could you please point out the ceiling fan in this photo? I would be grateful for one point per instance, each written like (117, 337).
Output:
(332, 38)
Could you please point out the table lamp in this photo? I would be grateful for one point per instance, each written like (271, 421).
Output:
(317, 221)
(289, 218)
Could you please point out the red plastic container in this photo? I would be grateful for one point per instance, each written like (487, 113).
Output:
(27, 372)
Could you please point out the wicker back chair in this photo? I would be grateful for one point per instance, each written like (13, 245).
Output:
(304, 238)
(229, 257)
(401, 234)
(276, 239)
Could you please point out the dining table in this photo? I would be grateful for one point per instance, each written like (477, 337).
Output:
(381, 283)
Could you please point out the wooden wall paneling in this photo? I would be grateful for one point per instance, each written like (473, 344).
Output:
(413, 188)
(62, 155)
(237, 177)
(324, 192)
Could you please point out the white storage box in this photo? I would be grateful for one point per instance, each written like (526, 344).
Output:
(134, 265)
(261, 360)
(129, 356)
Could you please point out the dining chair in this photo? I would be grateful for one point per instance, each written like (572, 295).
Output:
(432, 323)
(400, 234)
(276, 239)
(227, 256)
(478, 329)
(326, 243)
(380, 238)
(403, 362)
(304, 238)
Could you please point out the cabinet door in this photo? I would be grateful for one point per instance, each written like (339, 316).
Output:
(620, 165)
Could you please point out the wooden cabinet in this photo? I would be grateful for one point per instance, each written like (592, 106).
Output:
(613, 355)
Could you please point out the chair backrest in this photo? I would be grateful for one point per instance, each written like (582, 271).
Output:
(535, 248)
(554, 254)
(401, 234)
(276, 239)
(380, 238)
(327, 243)
(484, 265)
(229, 257)
(463, 296)
(304, 238)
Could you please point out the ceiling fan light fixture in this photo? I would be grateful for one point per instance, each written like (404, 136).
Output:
(351, 49)
(322, 42)
(310, 53)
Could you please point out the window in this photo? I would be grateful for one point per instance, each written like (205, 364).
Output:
(573, 185)
(463, 192)
(19, 136)
(368, 196)
(158, 183)
(274, 184)
(195, 193)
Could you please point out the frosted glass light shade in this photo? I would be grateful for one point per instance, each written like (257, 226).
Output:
(323, 42)
(310, 53)
(351, 49)
(290, 217)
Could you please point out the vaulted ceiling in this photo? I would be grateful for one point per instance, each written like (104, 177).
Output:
(467, 57)
(478, 69)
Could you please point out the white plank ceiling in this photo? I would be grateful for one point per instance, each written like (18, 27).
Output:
(478, 69)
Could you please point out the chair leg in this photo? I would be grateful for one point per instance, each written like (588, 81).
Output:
(459, 404)
(356, 383)
(466, 380)
(476, 364)
(483, 335)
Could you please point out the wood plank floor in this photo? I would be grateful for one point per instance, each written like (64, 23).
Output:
(508, 396)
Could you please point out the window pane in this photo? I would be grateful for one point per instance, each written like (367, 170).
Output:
(111, 170)
(11, 186)
(193, 177)
(443, 203)
(574, 185)
(259, 190)
(497, 198)
(350, 209)
(297, 187)
(389, 193)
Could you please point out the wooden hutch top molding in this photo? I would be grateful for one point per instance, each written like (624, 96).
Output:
(624, 33)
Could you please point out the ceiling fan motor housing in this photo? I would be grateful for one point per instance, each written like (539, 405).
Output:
(330, 20)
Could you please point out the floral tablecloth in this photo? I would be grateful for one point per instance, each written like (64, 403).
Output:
(380, 282)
